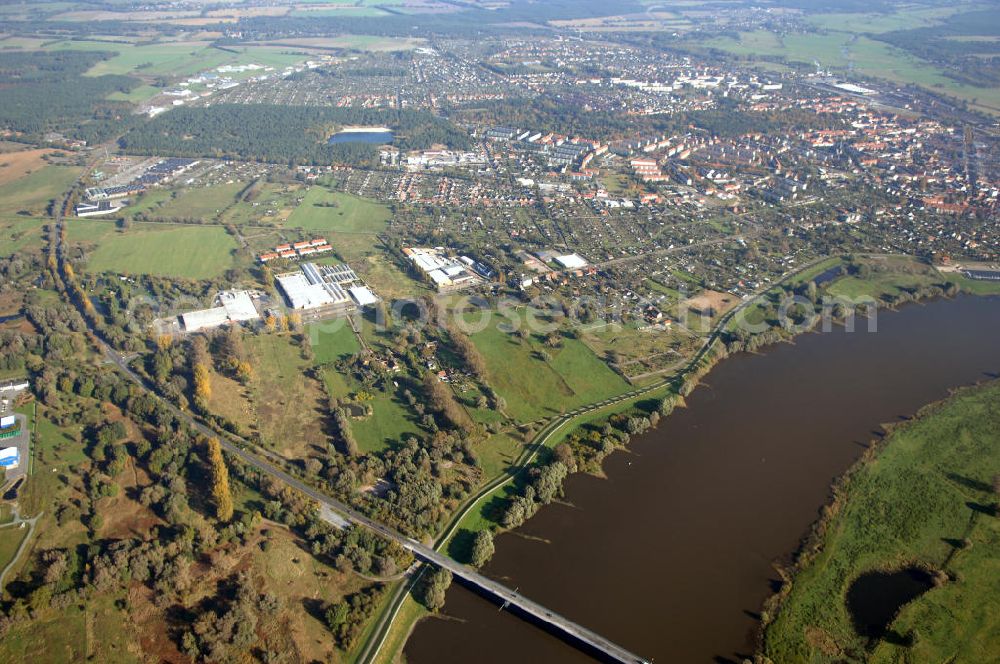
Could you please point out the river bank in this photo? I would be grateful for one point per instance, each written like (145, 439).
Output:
(894, 281)
(537, 545)
(921, 499)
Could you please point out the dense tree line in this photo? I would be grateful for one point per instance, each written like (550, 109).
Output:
(47, 92)
(568, 115)
(279, 134)
(347, 618)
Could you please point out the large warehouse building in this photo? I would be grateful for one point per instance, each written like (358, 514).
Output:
(234, 307)
(317, 286)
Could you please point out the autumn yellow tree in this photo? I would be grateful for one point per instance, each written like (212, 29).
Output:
(202, 383)
(221, 495)
(244, 371)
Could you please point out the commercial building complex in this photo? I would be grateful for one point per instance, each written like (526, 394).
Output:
(315, 286)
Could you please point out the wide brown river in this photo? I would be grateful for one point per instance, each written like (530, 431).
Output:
(671, 555)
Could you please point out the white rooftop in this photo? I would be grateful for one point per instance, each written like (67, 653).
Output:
(204, 318)
(571, 261)
(238, 305)
(302, 294)
(362, 295)
(439, 277)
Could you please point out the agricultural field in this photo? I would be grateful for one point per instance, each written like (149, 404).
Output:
(17, 164)
(370, 43)
(636, 351)
(497, 453)
(538, 381)
(847, 51)
(232, 401)
(290, 405)
(342, 10)
(217, 196)
(174, 58)
(930, 486)
(78, 632)
(33, 192)
(19, 234)
(205, 203)
(10, 539)
(878, 22)
(195, 252)
(265, 203)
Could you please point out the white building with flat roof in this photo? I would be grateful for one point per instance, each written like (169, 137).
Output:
(303, 294)
(362, 295)
(316, 286)
(234, 307)
(571, 261)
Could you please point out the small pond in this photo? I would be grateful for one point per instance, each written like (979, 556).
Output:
(375, 137)
(875, 598)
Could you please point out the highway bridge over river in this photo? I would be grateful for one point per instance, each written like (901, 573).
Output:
(581, 636)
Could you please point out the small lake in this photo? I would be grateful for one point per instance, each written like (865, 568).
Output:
(671, 555)
(370, 137)
(874, 599)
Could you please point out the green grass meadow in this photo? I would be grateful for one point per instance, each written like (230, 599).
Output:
(536, 388)
(352, 214)
(332, 340)
(33, 192)
(192, 252)
(18, 234)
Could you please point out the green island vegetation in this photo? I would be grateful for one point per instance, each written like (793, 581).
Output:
(923, 497)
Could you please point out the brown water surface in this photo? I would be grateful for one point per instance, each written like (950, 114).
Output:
(671, 555)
